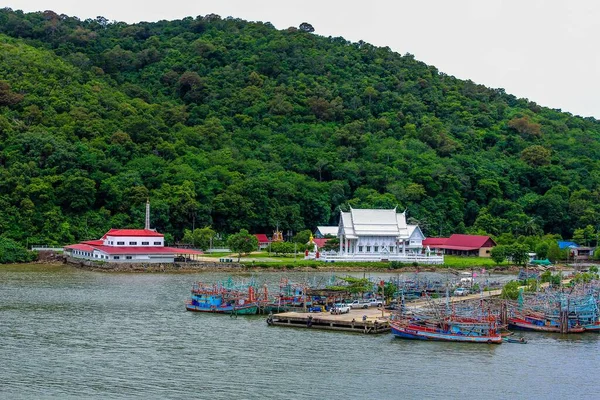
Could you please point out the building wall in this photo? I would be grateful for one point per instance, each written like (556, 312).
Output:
(154, 241)
(125, 258)
(485, 252)
(376, 244)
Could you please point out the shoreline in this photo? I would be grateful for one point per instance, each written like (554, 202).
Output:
(244, 268)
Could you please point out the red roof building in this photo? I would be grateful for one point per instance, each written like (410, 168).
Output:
(130, 246)
(465, 245)
(133, 232)
(434, 242)
(263, 240)
(320, 242)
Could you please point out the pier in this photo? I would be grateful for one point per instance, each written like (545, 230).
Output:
(367, 321)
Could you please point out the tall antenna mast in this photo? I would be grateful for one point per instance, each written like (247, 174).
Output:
(147, 227)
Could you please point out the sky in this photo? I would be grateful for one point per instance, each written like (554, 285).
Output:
(541, 50)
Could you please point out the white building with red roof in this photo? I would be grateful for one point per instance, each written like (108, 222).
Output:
(130, 246)
(263, 240)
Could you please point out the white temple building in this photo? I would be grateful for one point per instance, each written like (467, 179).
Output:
(380, 235)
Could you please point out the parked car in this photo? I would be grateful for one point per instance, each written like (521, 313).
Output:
(375, 303)
(340, 308)
(461, 291)
(360, 303)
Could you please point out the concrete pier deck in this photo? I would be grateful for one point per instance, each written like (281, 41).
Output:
(376, 320)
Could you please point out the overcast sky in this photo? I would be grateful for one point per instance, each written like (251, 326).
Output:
(542, 50)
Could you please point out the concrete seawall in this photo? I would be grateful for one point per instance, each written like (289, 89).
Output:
(151, 267)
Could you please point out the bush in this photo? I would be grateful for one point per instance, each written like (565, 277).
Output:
(13, 252)
(510, 290)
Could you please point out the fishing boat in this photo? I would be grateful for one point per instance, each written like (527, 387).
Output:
(451, 328)
(468, 324)
(556, 311)
(291, 296)
(532, 321)
(221, 300)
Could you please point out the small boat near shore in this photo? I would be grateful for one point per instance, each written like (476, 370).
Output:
(509, 339)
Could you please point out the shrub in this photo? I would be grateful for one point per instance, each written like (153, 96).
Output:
(12, 252)
(510, 290)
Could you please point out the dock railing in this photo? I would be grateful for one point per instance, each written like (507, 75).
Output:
(403, 258)
(43, 247)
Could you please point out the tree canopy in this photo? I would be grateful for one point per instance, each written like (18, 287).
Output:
(237, 125)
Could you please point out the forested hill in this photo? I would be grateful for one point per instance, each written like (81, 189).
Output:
(234, 124)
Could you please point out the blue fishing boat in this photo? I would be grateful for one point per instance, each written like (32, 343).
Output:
(221, 300)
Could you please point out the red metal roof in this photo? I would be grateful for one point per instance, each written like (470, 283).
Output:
(320, 242)
(434, 241)
(468, 242)
(132, 232)
(80, 246)
(98, 242)
(262, 238)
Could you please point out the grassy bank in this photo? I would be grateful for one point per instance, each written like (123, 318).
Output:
(264, 261)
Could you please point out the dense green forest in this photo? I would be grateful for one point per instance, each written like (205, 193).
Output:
(233, 124)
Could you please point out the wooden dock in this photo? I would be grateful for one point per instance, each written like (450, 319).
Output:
(367, 321)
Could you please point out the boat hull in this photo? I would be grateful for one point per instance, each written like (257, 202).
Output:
(415, 333)
(592, 327)
(527, 326)
(239, 310)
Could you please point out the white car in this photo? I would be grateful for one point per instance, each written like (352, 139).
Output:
(375, 303)
(461, 291)
(360, 304)
(340, 308)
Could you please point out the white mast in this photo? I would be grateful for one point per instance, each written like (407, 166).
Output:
(147, 227)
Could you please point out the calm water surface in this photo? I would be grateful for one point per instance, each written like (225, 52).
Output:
(67, 333)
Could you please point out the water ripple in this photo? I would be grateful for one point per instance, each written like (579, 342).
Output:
(73, 334)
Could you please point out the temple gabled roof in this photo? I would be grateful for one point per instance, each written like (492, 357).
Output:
(328, 230)
(373, 222)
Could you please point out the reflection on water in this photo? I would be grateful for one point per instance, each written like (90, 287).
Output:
(67, 333)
